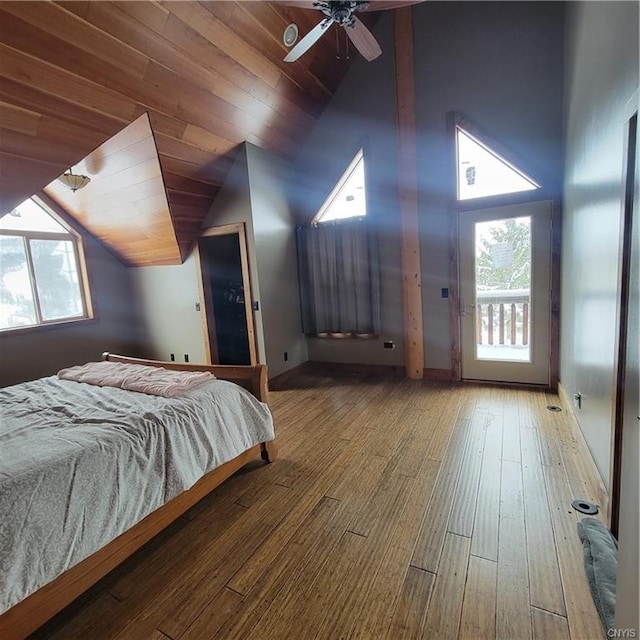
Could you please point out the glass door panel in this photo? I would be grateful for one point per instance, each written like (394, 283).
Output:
(503, 289)
(505, 260)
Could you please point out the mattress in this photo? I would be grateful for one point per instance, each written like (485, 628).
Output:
(81, 464)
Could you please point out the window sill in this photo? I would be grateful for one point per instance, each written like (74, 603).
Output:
(18, 331)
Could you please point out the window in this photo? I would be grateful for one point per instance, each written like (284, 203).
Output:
(348, 198)
(482, 172)
(40, 279)
(338, 263)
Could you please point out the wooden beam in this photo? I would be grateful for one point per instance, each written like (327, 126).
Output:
(408, 194)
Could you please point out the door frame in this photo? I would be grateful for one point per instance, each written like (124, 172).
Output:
(629, 218)
(207, 311)
(455, 312)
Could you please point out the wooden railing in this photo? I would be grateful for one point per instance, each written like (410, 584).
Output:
(503, 315)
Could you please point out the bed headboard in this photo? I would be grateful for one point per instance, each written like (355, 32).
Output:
(251, 377)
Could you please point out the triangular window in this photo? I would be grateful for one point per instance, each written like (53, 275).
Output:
(482, 172)
(30, 216)
(348, 198)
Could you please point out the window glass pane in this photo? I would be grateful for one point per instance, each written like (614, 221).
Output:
(16, 297)
(56, 273)
(503, 289)
(30, 216)
(481, 172)
(347, 199)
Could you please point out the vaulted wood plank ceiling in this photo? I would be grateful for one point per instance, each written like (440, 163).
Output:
(125, 204)
(208, 74)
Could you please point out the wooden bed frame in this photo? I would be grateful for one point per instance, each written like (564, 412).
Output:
(32, 612)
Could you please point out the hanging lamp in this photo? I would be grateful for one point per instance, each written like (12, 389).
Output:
(74, 181)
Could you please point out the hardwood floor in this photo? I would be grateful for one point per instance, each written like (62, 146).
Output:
(397, 509)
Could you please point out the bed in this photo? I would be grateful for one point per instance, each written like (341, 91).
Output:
(89, 474)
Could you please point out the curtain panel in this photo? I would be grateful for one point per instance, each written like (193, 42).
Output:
(339, 274)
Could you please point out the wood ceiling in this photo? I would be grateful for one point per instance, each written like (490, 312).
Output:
(208, 74)
(125, 204)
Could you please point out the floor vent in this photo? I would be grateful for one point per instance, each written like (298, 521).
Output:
(585, 507)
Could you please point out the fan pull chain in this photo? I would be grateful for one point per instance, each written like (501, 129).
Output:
(346, 39)
(337, 44)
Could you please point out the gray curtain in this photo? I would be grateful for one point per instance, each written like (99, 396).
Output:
(339, 278)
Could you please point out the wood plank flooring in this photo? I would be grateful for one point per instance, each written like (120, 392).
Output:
(397, 509)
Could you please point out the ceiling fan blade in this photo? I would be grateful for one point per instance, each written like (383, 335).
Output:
(380, 5)
(363, 40)
(309, 40)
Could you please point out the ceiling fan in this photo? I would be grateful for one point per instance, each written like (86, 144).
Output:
(342, 14)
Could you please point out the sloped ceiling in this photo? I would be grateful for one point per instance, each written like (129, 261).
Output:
(125, 204)
(208, 74)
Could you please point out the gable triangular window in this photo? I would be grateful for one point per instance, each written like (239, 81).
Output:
(482, 172)
(348, 197)
(30, 216)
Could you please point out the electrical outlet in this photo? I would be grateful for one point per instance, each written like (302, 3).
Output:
(388, 344)
(173, 357)
(186, 357)
(444, 292)
(197, 306)
(577, 400)
(286, 356)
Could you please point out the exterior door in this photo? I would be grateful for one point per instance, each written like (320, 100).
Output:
(505, 299)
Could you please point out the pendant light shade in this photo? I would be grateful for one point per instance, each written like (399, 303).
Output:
(74, 181)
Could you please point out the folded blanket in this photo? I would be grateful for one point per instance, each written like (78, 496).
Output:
(155, 381)
(601, 563)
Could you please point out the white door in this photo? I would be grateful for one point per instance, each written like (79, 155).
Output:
(505, 265)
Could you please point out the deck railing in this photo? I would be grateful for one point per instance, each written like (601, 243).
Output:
(502, 317)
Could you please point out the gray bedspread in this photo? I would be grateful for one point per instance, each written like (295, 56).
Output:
(81, 464)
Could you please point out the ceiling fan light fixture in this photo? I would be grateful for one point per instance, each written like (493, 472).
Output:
(290, 35)
(74, 181)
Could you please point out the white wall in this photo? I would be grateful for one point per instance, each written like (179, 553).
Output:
(601, 94)
(601, 77)
(274, 238)
(167, 297)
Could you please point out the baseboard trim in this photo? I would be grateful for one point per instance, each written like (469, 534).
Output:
(363, 369)
(439, 374)
(567, 404)
(284, 379)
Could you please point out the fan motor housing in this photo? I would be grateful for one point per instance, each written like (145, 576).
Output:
(341, 12)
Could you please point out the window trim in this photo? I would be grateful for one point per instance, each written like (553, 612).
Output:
(76, 240)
